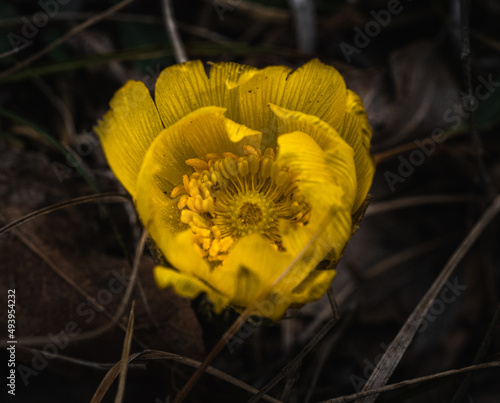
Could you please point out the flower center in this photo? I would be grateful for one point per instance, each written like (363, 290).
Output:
(229, 197)
(249, 214)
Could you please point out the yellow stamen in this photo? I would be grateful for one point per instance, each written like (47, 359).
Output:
(230, 196)
(198, 164)
(177, 191)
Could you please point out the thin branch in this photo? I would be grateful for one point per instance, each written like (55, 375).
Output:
(65, 37)
(112, 196)
(14, 51)
(294, 362)
(173, 32)
(324, 353)
(416, 201)
(414, 381)
(125, 354)
(78, 361)
(162, 355)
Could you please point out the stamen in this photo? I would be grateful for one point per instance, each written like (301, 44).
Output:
(233, 196)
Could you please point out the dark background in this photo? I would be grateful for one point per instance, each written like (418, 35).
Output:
(427, 196)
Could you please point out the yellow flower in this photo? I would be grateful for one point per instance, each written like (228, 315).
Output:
(235, 173)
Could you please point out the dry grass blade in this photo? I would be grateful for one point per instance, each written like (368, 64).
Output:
(12, 51)
(244, 316)
(257, 11)
(394, 152)
(305, 24)
(393, 354)
(294, 362)
(309, 346)
(409, 382)
(162, 355)
(109, 197)
(333, 303)
(77, 361)
(65, 37)
(415, 201)
(324, 353)
(173, 32)
(108, 380)
(125, 354)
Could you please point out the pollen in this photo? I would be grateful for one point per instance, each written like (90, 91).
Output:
(232, 196)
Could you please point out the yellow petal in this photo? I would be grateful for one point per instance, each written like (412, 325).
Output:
(231, 74)
(237, 133)
(207, 131)
(313, 287)
(356, 132)
(188, 286)
(258, 256)
(127, 130)
(293, 121)
(327, 179)
(183, 88)
(316, 89)
(266, 86)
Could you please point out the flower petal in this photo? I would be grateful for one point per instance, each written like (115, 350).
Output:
(266, 86)
(238, 133)
(327, 180)
(356, 132)
(313, 287)
(181, 89)
(292, 121)
(188, 286)
(316, 89)
(127, 130)
(206, 130)
(255, 252)
(185, 87)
